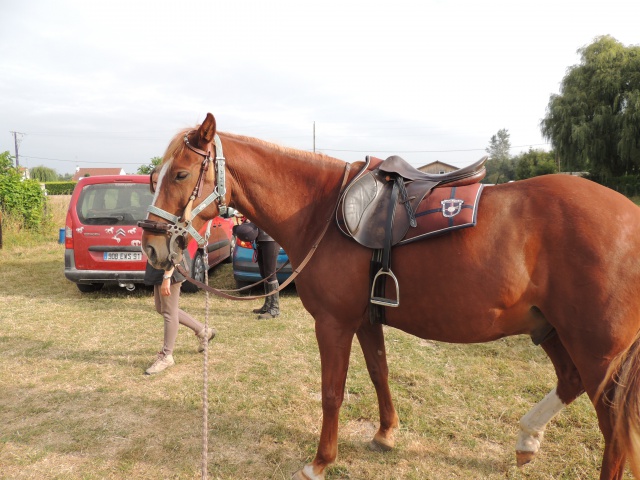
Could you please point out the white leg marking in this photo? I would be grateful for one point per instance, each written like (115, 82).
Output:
(308, 471)
(532, 425)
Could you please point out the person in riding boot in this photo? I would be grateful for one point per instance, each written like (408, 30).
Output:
(267, 255)
(166, 294)
(266, 251)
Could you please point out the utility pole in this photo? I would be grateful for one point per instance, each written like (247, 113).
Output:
(314, 136)
(16, 142)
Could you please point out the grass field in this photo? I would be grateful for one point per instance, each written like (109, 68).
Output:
(74, 403)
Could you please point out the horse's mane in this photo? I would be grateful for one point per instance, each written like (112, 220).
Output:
(293, 152)
(177, 145)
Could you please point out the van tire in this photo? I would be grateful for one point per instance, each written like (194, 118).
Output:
(197, 273)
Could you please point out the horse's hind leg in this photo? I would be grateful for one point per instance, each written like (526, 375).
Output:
(371, 338)
(613, 459)
(569, 387)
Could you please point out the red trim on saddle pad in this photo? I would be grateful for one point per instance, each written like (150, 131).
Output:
(445, 209)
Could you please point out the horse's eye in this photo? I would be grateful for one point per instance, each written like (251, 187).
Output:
(182, 175)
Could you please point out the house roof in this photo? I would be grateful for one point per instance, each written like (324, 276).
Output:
(438, 162)
(93, 172)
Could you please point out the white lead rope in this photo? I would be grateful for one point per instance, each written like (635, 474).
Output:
(205, 387)
(205, 366)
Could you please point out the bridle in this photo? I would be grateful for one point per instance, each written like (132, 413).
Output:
(178, 227)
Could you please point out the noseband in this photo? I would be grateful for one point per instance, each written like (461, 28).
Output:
(178, 228)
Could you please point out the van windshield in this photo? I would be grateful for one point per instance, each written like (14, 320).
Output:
(113, 203)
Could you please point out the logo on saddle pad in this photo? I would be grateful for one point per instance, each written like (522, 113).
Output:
(451, 207)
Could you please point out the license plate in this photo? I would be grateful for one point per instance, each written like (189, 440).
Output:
(123, 256)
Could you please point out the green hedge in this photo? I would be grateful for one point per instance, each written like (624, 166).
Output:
(628, 185)
(60, 188)
(23, 199)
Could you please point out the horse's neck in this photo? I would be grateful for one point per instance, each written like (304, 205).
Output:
(289, 195)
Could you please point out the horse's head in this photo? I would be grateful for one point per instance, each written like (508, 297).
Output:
(190, 190)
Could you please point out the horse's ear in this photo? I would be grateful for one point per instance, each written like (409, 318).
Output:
(207, 130)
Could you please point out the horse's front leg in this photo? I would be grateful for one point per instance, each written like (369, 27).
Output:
(334, 342)
(371, 338)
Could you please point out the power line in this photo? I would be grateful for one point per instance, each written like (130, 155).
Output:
(77, 161)
(425, 151)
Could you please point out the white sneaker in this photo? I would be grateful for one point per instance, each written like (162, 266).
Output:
(205, 336)
(162, 362)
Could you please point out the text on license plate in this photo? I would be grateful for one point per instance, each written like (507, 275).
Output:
(123, 256)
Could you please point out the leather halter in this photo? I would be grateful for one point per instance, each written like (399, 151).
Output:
(178, 227)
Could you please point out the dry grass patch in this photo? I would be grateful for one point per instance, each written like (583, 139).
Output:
(74, 403)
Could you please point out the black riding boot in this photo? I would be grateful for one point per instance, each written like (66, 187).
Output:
(265, 305)
(273, 302)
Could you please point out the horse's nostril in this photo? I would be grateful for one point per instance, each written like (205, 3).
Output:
(151, 253)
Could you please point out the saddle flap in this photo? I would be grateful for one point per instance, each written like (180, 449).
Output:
(365, 210)
(356, 200)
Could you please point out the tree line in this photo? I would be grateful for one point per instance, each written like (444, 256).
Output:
(593, 124)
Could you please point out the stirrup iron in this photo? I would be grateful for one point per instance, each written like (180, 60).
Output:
(386, 302)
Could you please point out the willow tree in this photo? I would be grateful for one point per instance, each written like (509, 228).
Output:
(594, 123)
(43, 174)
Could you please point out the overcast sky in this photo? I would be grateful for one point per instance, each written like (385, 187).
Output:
(108, 83)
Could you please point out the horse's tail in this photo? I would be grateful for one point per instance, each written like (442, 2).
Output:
(621, 390)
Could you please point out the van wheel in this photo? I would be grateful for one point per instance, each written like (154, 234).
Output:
(89, 287)
(197, 273)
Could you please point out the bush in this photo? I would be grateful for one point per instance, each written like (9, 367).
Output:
(24, 200)
(60, 188)
(20, 199)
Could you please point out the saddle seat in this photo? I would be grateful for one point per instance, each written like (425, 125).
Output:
(465, 175)
(365, 209)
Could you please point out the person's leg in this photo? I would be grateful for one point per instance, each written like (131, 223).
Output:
(260, 258)
(165, 308)
(270, 252)
(188, 321)
(170, 313)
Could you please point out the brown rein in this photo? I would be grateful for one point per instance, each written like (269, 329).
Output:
(294, 274)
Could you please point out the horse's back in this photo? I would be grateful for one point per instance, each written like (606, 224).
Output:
(574, 225)
(562, 244)
(566, 204)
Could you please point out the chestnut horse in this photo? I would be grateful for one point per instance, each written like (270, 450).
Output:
(555, 253)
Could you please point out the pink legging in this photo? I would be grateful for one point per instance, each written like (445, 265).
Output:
(173, 316)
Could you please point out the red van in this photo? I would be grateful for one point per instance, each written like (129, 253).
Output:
(103, 241)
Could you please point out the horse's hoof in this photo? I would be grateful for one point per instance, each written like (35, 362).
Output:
(381, 444)
(522, 457)
(304, 473)
(299, 475)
